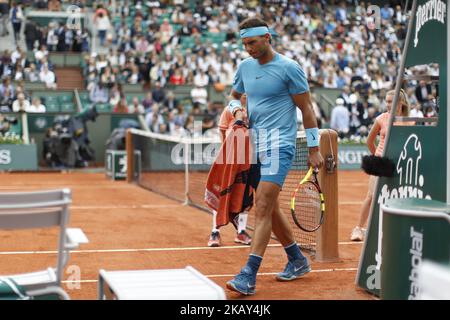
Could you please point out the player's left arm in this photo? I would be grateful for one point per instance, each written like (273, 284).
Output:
(303, 101)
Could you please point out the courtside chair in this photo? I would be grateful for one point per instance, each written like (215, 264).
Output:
(29, 210)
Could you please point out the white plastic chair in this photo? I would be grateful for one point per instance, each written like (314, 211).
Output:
(27, 210)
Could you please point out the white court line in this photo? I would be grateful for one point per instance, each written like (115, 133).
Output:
(134, 250)
(232, 275)
(58, 186)
(148, 249)
(347, 184)
(139, 206)
(350, 202)
(275, 273)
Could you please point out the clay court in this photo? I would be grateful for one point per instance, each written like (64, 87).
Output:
(130, 228)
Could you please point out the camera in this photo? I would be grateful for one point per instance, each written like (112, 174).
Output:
(6, 122)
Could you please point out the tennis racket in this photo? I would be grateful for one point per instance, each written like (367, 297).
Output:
(307, 203)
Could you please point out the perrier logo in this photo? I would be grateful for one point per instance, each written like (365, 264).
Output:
(431, 10)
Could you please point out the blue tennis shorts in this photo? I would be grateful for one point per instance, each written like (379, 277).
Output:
(275, 164)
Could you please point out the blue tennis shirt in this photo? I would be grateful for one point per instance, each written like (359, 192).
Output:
(271, 110)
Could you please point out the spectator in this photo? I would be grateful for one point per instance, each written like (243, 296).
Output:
(52, 36)
(16, 17)
(115, 94)
(423, 91)
(6, 100)
(199, 95)
(153, 119)
(181, 116)
(36, 106)
(121, 106)
(201, 79)
(170, 102)
(386, 12)
(31, 34)
(48, 77)
(99, 93)
(341, 13)
(416, 111)
(103, 25)
(6, 85)
(54, 5)
(158, 93)
(429, 113)
(41, 54)
(4, 13)
(21, 104)
(166, 31)
(177, 77)
(148, 101)
(340, 118)
(136, 107)
(356, 114)
(318, 111)
(41, 4)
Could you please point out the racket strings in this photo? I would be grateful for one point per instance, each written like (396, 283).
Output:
(308, 206)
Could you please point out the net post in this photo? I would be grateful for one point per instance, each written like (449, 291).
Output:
(187, 153)
(327, 235)
(130, 156)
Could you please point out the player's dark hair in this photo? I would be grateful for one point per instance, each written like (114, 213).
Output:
(252, 23)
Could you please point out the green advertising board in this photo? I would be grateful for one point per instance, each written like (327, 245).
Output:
(420, 153)
(350, 156)
(18, 157)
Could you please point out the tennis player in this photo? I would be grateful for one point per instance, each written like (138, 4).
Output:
(240, 222)
(275, 85)
(380, 127)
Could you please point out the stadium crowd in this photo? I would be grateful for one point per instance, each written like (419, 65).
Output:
(155, 45)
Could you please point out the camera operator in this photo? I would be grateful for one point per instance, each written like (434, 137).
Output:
(6, 123)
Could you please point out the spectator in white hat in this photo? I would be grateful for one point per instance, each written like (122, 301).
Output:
(340, 118)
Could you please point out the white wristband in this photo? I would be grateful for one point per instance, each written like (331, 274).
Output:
(234, 105)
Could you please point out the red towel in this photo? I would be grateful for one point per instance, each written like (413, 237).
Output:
(232, 179)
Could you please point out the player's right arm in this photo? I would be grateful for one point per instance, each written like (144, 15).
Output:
(234, 102)
(372, 137)
(236, 96)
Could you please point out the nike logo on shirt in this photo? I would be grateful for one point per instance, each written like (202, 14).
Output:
(259, 77)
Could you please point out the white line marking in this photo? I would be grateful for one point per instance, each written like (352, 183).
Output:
(133, 250)
(349, 184)
(139, 206)
(350, 242)
(350, 202)
(231, 274)
(148, 249)
(55, 186)
(275, 273)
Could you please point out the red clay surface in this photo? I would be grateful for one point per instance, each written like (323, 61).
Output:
(116, 215)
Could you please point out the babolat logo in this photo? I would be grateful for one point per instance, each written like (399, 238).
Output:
(431, 10)
(416, 260)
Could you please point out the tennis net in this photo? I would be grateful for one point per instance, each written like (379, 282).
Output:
(178, 168)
